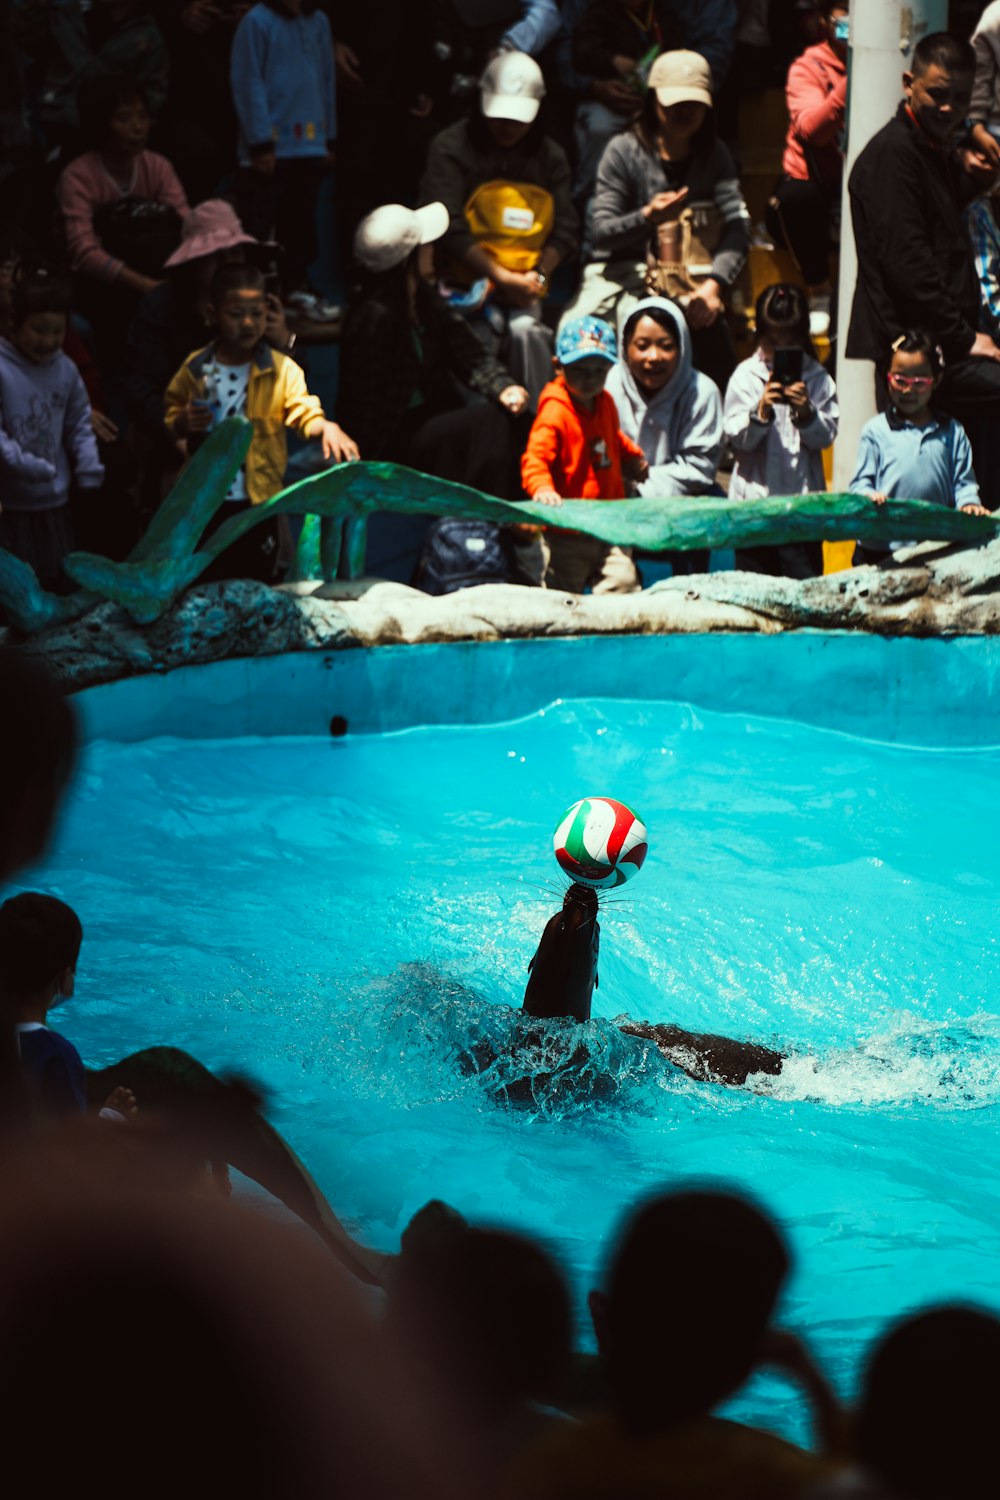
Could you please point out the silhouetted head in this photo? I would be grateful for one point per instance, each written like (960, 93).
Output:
(40, 938)
(489, 1310)
(241, 1361)
(929, 1401)
(692, 1288)
(564, 968)
(37, 750)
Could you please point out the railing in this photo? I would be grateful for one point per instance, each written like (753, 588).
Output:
(336, 504)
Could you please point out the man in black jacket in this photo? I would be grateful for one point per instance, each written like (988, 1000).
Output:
(915, 268)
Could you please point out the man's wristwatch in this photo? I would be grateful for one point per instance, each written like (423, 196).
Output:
(542, 279)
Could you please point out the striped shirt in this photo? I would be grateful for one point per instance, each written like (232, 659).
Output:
(984, 236)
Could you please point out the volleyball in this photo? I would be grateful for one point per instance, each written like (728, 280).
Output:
(600, 842)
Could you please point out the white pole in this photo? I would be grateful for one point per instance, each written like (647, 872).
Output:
(883, 36)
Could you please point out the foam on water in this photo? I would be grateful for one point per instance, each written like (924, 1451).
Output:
(948, 1065)
(350, 922)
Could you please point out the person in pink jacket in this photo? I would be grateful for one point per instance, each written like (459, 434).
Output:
(122, 208)
(805, 205)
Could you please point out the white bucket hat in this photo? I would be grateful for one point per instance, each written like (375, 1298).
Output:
(391, 233)
(512, 88)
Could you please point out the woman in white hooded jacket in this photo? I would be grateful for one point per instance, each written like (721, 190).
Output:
(669, 408)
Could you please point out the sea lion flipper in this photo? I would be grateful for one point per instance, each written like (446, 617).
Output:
(707, 1058)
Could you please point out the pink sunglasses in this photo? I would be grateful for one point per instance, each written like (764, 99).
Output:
(910, 382)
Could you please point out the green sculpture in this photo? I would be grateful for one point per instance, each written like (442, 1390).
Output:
(336, 504)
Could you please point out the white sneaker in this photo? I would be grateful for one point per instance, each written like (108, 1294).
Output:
(819, 315)
(313, 307)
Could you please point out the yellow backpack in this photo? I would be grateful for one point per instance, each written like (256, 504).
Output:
(512, 220)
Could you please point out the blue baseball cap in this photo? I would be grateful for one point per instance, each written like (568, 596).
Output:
(585, 337)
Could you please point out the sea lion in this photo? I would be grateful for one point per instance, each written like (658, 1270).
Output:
(563, 977)
(563, 972)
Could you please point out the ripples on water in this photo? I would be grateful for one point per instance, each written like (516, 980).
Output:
(351, 923)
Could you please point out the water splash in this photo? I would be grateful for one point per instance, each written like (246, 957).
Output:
(422, 1036)
(909, 1061)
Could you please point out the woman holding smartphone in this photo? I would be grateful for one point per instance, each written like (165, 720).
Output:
(780, 413)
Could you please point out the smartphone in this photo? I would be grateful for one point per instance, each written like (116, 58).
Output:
(787, 367)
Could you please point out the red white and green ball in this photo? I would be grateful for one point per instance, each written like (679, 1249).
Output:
(600, 842)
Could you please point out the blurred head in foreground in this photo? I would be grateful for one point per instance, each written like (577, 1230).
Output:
(693, 1285)
(37, 752)
(187, 1345)
(929, 1400)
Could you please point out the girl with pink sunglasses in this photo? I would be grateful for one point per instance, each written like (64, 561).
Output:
(910, 451)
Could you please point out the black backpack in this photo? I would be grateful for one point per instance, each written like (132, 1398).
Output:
(459, 553)
(139, 231)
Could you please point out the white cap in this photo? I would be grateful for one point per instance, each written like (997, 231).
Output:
(512, 88)
(389, 235)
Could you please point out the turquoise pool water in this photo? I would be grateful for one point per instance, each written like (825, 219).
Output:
(339, 917)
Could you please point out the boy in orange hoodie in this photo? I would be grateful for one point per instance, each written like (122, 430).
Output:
(577, 451)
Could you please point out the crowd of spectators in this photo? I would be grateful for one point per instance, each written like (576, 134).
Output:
(497, 171)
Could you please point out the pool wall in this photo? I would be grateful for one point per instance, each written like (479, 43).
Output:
(902, 689)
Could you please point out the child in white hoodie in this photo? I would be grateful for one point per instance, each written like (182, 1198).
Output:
(778, 431)
(46, 437)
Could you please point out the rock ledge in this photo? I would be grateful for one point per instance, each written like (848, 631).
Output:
(928, 590)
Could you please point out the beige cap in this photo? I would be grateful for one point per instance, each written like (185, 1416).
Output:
(681, 76)
(389, 235)
(512, 88)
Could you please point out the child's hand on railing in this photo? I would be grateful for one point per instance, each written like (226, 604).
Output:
(975, 510)
(123, 1102)
(338, 448)
(547, 497)
(877, 497)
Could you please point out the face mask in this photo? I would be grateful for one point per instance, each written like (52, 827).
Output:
(842, 29)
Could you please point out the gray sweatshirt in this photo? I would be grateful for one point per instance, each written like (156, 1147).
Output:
(629, 176)
(45, 434)
(680, 429)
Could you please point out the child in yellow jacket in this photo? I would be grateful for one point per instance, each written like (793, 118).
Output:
(239, 374)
